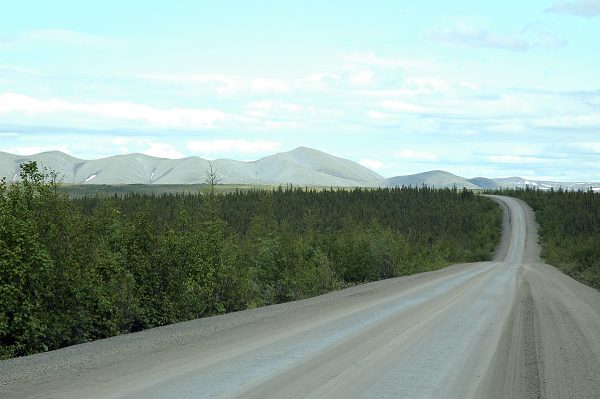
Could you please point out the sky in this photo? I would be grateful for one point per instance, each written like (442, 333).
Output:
(475, 88)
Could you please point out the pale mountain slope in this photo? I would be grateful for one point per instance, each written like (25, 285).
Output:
(193, 171)
(275, 167)
(434, 178)
(302, 166)
(485, 183)
(119, 169)
(63, 164)
(8, 167)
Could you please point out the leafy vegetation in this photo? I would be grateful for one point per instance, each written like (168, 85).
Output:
(75, 270)
(569, 229)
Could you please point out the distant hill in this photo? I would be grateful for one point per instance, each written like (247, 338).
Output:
(308, 166)
(301, 166)
(441, 179)
(485, 183)
(434, 178)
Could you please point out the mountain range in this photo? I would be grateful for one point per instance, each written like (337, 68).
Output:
(301, 166)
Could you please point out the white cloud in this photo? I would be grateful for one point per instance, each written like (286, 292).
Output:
(568, 121)
(321, 76)
(385, 62)
(541, 34)
(418, 155)
(401, 106)
(536, 34)
(225, 84)
(121, 140)
(471, 36)
(200, 78)
(469, 85)
(361, 78)
(289, 107)
(272, 114)
(582, 8)
(122, 144)
(281, 124)
(266, 105)
(372, 164)
(262, 85)
(380, 116)
(62, 37)
(17, 69)
(9, 134)
(31, 150)
(429, 84)
(590, 146)
(11, 102)
(228, 146)
(513, 159)
(175, 118)
(162, 150)
(507, 126)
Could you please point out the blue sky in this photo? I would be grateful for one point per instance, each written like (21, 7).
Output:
(476, 88)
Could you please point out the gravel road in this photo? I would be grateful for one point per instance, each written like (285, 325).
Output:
(510, 328)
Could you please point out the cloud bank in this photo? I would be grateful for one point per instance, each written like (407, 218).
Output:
(534, 35)
(581, 8)
(13, 103)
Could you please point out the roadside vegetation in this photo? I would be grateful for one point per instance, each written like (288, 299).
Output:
(92, 190)
(76, 270)
(569, 230)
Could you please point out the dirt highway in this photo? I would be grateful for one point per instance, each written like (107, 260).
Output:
(510, 328)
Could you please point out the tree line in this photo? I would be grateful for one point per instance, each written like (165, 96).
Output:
(569, 229)
(76, 270)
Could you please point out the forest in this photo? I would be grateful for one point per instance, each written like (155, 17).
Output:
(569, 229)
(74, 270)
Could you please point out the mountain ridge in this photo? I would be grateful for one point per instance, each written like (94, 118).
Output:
(303, 165)
(300, 166)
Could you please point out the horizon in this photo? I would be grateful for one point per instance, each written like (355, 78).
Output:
(478, 90)
(294, 149)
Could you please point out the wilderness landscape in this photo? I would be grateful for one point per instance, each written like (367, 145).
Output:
(299, 199)
(300, 167)
(108, 265)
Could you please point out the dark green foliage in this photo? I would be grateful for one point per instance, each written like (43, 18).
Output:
(75, 270)
(25, 265)
(569, 229)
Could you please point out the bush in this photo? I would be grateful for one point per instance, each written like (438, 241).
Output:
(72, 271)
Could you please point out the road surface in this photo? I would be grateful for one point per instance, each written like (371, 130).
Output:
(510, 328)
